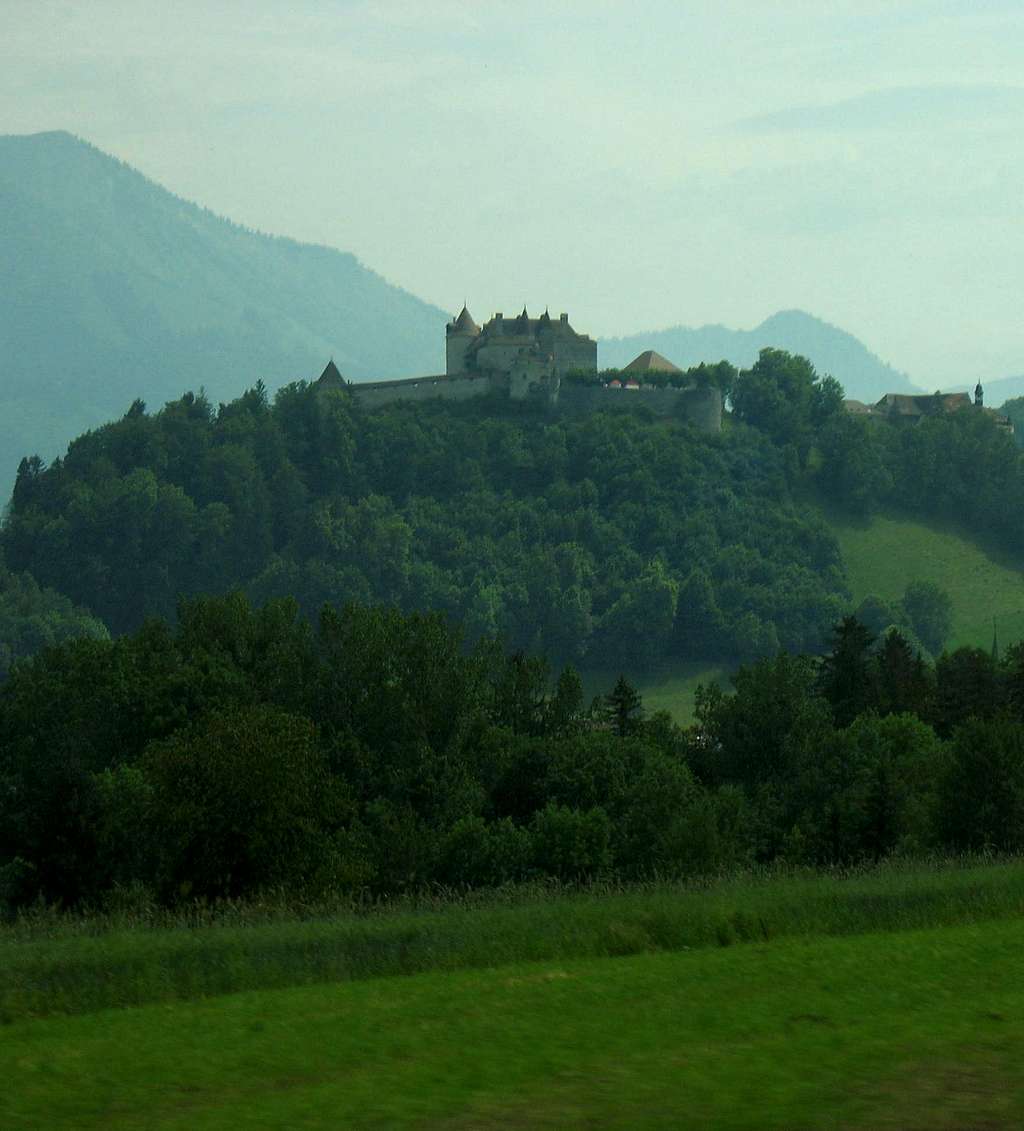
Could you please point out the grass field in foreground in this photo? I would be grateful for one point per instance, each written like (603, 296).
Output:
(885, 553)
(911, 1031)
(82, 966)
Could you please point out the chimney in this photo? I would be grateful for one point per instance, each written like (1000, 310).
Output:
(564, 319)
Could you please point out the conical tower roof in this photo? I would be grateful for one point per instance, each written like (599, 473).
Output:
(651, 360)
(331, 375)
(464, 324)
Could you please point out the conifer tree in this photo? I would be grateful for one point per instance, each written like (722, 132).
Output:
(623, 708)
(848, 679)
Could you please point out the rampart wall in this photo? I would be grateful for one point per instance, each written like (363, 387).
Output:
(700, 407)
(461, 388)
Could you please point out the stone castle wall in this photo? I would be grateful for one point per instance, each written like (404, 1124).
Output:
(700, 407)
(373, 394)
(524, 359)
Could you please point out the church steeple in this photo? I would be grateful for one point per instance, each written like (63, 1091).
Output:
(979, 395)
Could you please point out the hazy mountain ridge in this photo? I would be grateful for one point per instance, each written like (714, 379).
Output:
(116, 289)
(863, 375)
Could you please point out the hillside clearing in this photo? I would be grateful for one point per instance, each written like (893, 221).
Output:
(886, 552)
(668, 687)
(882, 556)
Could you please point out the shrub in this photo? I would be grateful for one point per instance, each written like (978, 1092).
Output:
(571, 843)
(241, 801)
(982, 799)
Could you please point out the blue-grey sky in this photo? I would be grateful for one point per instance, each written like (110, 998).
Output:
(638, 165)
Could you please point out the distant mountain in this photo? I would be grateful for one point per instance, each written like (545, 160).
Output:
(863, 375)
(113, 288)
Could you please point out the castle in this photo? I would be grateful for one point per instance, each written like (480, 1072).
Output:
(526, 350)
(526, 358)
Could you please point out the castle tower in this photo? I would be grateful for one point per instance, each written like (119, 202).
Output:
(459, 336)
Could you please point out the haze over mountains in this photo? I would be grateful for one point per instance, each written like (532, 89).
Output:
(863, 375)
(115, 289)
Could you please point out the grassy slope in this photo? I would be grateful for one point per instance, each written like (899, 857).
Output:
(885, 553)
(914, 1030)
(675, 690)
(882, 556)
(668, 687)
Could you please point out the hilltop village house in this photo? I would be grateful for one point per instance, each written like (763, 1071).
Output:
(526, 358)
(902, 408)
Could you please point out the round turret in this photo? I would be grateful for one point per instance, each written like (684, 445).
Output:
(459, 336)
(464, 324)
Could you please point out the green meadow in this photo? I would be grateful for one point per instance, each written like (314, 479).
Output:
(886, 997)
(908, 1029)
(80, 965)
(670, 687)
(884, 553)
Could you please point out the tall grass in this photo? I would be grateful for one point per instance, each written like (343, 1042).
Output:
(60, 965)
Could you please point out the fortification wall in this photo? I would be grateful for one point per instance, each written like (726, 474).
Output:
(703, 409)
(700, 407)
(462, 388)
(574, 354)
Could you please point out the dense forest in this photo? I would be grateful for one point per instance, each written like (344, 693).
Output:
(323, 723)
(613, 539)
(243, 750)
(32, 618)
(1014, 409)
